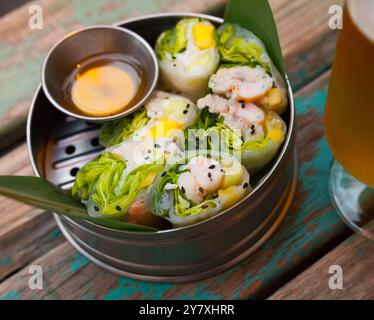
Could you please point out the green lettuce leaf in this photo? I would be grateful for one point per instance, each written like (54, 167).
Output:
(116, 131)
(101, 184)
(210, 134)
(238, 46)
(89, 174)
(113, 196)
(173, 41)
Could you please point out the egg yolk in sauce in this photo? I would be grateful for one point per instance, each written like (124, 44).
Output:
(103, 87)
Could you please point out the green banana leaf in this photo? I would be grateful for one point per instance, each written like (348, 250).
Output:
(45, 195)
(256, 16)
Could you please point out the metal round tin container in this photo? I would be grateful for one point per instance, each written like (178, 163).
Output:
(60, 145)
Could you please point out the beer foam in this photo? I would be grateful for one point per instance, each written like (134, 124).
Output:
(362, 13)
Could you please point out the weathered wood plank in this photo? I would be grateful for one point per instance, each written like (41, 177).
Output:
(310, 230)
(22, 50)
(356, 258)
(28, 241)
(25, 232)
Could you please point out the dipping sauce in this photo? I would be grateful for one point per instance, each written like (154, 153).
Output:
(103, 85)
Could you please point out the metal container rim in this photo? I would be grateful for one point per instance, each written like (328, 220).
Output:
(196, 226)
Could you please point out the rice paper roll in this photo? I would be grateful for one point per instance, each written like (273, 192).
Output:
(188, 56)
(240, 47)
(116, 131)
(110, 189)
(163, 117)
(258, 151)
(252, 134)
(198, 188)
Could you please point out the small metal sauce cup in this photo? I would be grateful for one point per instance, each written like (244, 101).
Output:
(80, 45)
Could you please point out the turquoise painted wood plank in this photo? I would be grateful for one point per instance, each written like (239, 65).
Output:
(311, 228)
(20, 246)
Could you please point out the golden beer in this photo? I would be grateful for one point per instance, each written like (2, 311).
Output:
(349, 114)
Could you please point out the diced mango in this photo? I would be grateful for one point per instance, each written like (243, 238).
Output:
(276, 135)
(230, 196)
(233, 173)
(274, 97)
(148, 180)
(163, 127)
(203, 35)
(273, 100)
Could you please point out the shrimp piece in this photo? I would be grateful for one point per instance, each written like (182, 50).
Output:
(188, 185)
(250, 113)
(207, 173)
(139, 213)
(241, 83)
(216, 104)
(138, 208)
(252, 91)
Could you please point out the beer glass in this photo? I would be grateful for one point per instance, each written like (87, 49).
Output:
(349, 118)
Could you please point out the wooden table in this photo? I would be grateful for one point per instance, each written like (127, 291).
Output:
(293, 264)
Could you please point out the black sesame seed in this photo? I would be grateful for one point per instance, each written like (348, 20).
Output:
(241, 101)
(204, 206)
(185, 111)
(243, 105)
(212, 166)
(146, 158)
(157, 145)
(96, 208)
(252, 126)
(162, 174)
(174, 57)
(149, 151)
(188, 105)
(209, 175)
(178, 92)
(183, 190)
(245, 185)
(118, 208)
(201, 190)
(174, 65)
